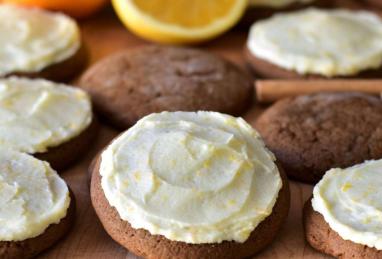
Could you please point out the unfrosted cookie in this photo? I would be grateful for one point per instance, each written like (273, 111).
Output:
(311, 134)
(193, 210)
(290, 46)
(54, 122)
(343, 217)
(38, 43)
(134, 83)
(27, 229)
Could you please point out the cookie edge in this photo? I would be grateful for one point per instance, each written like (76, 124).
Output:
(222, 250)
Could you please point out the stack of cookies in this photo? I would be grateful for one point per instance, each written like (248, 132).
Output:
(45, 126)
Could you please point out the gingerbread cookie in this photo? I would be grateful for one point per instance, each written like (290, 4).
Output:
(27, 228)
(345, 218)
(311, 134)
(134, 83)
(52, 121)
(208, 218)
(290, 46)
(38, 43)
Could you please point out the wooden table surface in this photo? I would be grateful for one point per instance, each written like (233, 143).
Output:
(103, 35)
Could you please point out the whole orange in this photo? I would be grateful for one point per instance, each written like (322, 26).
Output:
(75, 8)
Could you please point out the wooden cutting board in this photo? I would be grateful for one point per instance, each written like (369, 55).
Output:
(103, 35)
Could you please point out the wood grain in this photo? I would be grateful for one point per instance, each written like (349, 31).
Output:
(104, 35)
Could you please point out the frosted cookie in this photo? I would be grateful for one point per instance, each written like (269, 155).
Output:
(343, 219)
(349, 44)
(39, 43)
(190, 185)
(36, 207)
(131, 84)
(310, 134)
(54, 122)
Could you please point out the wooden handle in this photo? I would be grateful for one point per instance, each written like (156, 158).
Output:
(272, 90)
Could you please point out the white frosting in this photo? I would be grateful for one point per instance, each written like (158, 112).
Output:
(194, 177)
(350, 201)
(38, 114)
(32, 196)
(312, 41)
(33, 39)
(277, 3)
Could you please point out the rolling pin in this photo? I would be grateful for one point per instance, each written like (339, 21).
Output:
(268, 91)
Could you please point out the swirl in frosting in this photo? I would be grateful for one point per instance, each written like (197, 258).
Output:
(194, 177)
